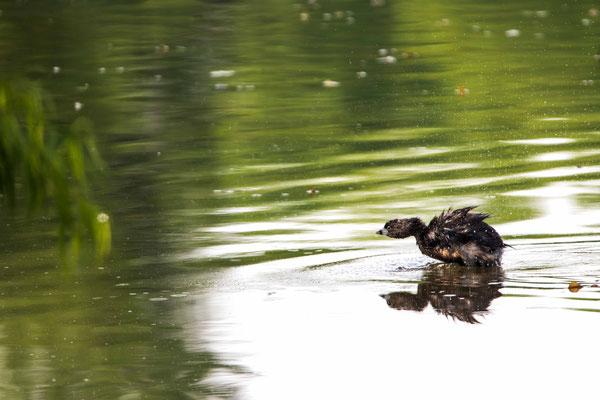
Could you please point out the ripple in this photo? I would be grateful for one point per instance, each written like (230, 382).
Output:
(540, 141)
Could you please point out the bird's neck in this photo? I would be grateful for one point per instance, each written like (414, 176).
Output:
(418, 228)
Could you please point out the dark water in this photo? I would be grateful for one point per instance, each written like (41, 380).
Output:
(253, 148)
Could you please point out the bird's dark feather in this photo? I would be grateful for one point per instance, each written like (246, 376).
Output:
(462, 226)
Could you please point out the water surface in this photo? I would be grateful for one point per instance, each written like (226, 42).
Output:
(244, 204)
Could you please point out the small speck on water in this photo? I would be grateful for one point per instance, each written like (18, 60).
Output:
(574, 287)
(222, 73)
(159, 299)
(328, 83)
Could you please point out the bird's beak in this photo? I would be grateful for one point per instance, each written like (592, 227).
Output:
(382, 232)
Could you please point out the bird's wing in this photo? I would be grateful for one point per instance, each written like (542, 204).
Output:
(462, 226)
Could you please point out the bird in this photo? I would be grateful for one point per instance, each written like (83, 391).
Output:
(455, 236)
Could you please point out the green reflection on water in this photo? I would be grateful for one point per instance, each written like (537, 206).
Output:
(49, 164)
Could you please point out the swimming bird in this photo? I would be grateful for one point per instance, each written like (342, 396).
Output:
(455, 236)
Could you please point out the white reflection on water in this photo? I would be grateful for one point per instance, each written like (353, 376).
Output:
(306, 334)
(393, 154)
(239, 210)
(302, 235)
(301, 183)
(559, 172)
(563, 155)
(540, 141)
(560, 213)
(555, 156)
(421, 168)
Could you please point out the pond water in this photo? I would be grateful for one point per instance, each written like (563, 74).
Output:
(251, 151)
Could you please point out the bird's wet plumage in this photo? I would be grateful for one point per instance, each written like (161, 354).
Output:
(458, 236)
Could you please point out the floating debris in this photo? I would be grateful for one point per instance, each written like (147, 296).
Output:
(55, 70)
(222, 73)
(361, 74)
(593, 12)
(330, 84)
(312, 191)
(574, 287)
(512, 33)
(461, 91)
(387, 60)
(304, 16)
(163, 49)
(102, 218)
(78, 106)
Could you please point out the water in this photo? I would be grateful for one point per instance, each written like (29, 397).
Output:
(245, 262)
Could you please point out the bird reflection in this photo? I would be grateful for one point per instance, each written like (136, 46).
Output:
(452, 290)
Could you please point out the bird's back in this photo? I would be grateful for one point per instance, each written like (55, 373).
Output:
(465, 237)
